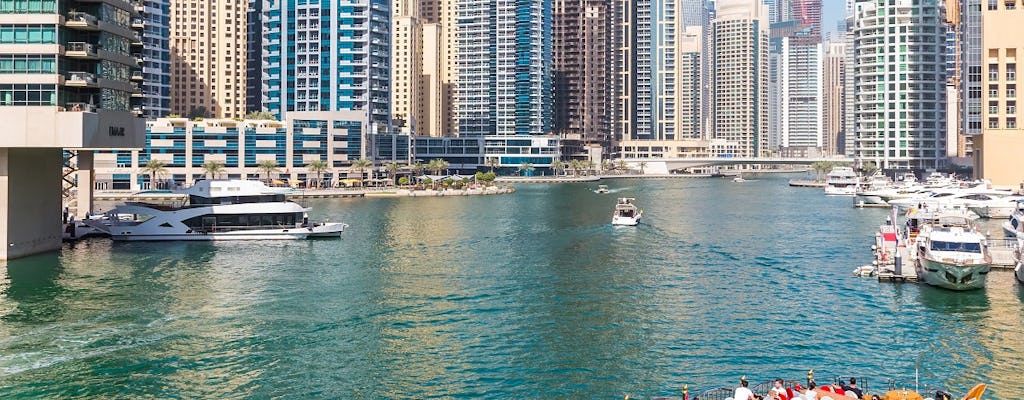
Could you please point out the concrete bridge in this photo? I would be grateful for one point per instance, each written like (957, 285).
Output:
(666, 165)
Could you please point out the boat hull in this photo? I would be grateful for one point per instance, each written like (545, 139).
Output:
(994, 212)
(1019, 272)
(840, 191)
(260, 234)
(951, 275)
(1008, 229)
(625, 221)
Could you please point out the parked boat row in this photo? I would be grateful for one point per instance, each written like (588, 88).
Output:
(211, 210)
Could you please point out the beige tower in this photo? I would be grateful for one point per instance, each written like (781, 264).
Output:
(423, 65)
(997, 150)
(834, 83)
(208, 69)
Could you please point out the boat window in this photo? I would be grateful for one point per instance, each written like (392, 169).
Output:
(956, 246)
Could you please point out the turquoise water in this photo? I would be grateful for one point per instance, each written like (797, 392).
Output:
(526, 295)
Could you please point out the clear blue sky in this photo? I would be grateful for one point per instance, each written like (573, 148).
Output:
(832, 11)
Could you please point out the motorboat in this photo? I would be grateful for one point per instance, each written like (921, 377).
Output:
(998, 208)
(221, 210)
(1018, 254)
(739, 179)
(951, 253)
(626, 212)
(602, 189)
(841, 181)
(951, 197)
(1014, 227)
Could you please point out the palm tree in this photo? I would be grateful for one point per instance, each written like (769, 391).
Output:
(213, 168)
(392, 168)
(643, 164)
(318, 167)
(525, 167)
(492, 162)
(361, 165)
(575, 166)
(558, 166)
(267, 167)
(154, 168)
(606, 165)
(436, 165)
(621, 165)
(418, 168)
(589, 166)
(869, 168)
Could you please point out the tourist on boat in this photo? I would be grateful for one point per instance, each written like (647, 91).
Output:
(778, 391)
(742, 392)
(852, 387)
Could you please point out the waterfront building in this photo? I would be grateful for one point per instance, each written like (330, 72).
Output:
(582, 73)
(899, 83)
(834, 94)
(184, 145)
(155, 56)
(68, 80)
(254, 57)
(504, 88)
(208, 60)
(740, 79)
(997, 150)
(328, 56)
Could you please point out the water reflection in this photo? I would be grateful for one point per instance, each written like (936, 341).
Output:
(29, 290)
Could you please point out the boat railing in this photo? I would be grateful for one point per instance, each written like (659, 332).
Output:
(1002, 244)
(925, 390)
(715, 394)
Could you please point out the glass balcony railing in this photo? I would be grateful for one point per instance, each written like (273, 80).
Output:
(81, 78)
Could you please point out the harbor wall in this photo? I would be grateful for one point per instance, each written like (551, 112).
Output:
(30, 218)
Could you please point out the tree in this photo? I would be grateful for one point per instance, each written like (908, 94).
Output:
(198, 113)
(643, 164)
(437, 165)
(318, 167)
(213, 168)
(621, 165)
(606, 165)
(392, 168)
(361, 165)
(492, 162)
(558, 166)
(267, 167)
(155, 168)
(261, 115)
(589, 166)
(869, 168)
(527, 167)
(418, 168)
(403, 180)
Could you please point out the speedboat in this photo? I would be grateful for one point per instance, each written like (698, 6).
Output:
(1014, 227)
(221, 210)
(1000, 208)
(602, 189)
(841, 181)
(626, 212)
(951, 253)
(739, 179)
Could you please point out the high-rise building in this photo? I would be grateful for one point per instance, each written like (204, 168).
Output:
(997, 150)
(328, 56)
(254, 57)
(834, 84)
(69, 74)
(740, 33)
(899, 83)
(208, 60)
(970, 73)
(800, 93)
(419, 98)
(582, 70)
(848, 68)
(156, 57)
(504, 79)
(808, 14)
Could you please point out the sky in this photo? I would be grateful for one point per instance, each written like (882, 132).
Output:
(832, 11)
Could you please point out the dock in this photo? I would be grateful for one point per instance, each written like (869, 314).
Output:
(806, 183)
(1002, 252)
(887, 271)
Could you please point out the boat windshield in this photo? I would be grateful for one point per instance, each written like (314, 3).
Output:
(956, 246)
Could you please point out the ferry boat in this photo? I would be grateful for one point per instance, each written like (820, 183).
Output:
(950, 253)
(221, 210)
(1014, 227)
(626, 212)
(841, 181)
(601, 189)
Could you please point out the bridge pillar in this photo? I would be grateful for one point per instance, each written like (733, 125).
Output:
(86, 178)
(30, 201)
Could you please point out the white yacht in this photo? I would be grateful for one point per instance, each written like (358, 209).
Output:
(1014, 227)
(949, 252)
(601, 189)
(626, 212)
(1019, 255)
(1000, 208)
(739, 179)
(221, 210)
(841, 181)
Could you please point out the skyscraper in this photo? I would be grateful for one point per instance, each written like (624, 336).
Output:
(208, 60)
(900, 85)
(504, 85)
(582, 70)
(254, 57)
(834, 98)
(156, 57)
(328, 56)
(970, 72)
(997, 150)
(740, 78)
(800, 92)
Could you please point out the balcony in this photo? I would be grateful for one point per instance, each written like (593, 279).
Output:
(137, 90)
(80, 50)
(137, 110)
(79, 107)
(136, 39)
(138, 23)
(137, 75)
(80, 79)
(139, 59)
(82, 21)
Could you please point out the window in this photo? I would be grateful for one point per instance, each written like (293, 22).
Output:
(28, 6)
(22, 33)
(993, 72)
(27, 64)
(1011, 72)
(28, 95)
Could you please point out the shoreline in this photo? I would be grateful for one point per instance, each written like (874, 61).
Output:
(300, 194)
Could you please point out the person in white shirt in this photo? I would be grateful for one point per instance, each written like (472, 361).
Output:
(778, 390)
(742, 392)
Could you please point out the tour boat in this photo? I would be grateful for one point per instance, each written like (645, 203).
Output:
(221, 210)
(1014, 227)
(950, 253)
(602, 189)
(841, 181)
(626, 212)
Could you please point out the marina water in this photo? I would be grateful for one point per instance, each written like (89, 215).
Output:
(527, 295)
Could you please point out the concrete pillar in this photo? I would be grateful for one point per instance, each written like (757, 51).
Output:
(30, 201)
(86, 182)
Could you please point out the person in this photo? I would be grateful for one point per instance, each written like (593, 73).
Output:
(852, 387)
(742, 392)
(875, 397)
(777, 390)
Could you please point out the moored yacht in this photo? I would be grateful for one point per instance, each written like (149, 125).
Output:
(1014, 227)
(949, 252)
(1019, 256)
(626, 212)
(221, 210)
(999, 208)
(841, 181)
